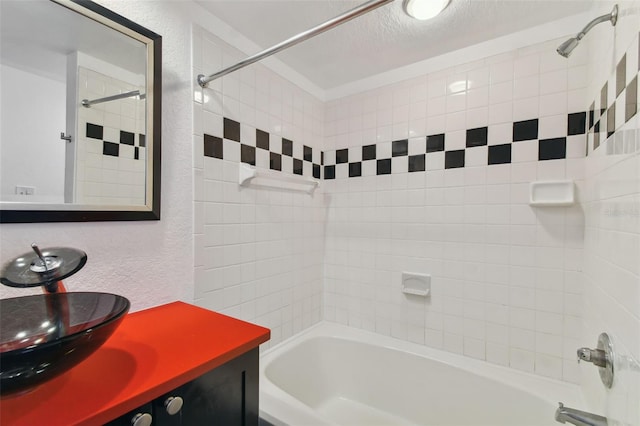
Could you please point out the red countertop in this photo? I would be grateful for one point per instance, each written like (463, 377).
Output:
(151, 353)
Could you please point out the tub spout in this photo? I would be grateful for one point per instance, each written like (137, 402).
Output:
(579, 418)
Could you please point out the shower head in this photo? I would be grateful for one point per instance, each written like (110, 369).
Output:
(567, 47)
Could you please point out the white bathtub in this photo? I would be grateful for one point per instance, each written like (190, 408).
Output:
(336, 375)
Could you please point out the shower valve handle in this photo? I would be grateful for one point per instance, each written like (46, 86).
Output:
(596, 356)
(602, 357)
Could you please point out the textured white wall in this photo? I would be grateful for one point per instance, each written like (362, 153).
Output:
(149, 262)
(612, 218)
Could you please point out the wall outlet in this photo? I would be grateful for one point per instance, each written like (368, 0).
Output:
(25, 190)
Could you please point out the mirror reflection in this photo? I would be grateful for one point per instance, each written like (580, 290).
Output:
(77, 108)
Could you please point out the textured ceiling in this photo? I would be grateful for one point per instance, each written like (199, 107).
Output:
(381, 40)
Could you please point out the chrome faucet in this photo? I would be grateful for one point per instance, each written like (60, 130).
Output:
(579, 418)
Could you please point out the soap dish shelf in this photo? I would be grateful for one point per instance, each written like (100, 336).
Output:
(416, 284)
(557, 193)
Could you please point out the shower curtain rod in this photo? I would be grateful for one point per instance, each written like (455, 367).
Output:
(87, 103)
(203, 81)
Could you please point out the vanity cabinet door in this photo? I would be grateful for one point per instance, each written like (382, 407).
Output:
(225, 396)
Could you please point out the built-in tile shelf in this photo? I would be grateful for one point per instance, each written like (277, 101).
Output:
(552, 193)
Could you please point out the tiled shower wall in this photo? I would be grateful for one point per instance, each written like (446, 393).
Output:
(611, 203)
(432, 176)
(258, 251)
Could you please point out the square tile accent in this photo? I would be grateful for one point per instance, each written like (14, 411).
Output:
(110, 148)
(275, 161)
(248, 154)
(454, 159)
(297, 166)
(631, 102)
(287, 147)
(500, 154)
(231, 130)
(95, 131)
(552, 149)
(476, 137)
(307, 153)
(136, 153)
(262, 139)
(322, 158)
(592, 115)
(621, 75)
(342, 156)
(368, 152)
(435, 143)
(611, 120)
(316, 171)
(355, 169)
(603, 97)
(142, 140)
(383, 167)
(329, 172)
(127, 138)
(400, 148)
(525, 130)
(213, 147)
(417, 163)
(576, 123)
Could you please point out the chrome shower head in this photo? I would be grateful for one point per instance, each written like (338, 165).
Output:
(567, 47)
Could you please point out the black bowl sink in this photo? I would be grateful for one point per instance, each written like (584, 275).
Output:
(43, 336)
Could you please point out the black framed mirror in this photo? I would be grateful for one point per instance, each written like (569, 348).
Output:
(81, 114)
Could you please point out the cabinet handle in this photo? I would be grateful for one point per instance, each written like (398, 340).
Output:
(141, 419)
(173, 404)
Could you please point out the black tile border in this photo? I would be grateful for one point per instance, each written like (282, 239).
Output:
(400, 148)
(213, 147)
(577, 123)
(477, 137)
(231, 129)
(454, 159)
(275, 161)
(526, 130)
(601, 123)
(499, 154)
(287, 147)
(342, 156)
(111, 148)
(368, 152)
(262, 139)
(355, 169)
(595, 124)
(552, 149)
(417, 163)
(383, 167)
(435, 143)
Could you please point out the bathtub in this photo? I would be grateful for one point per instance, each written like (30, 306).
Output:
(336, 375)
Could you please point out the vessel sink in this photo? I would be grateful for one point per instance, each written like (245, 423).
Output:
(45, 335)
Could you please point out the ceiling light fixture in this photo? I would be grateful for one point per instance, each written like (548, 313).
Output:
(424, 9)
